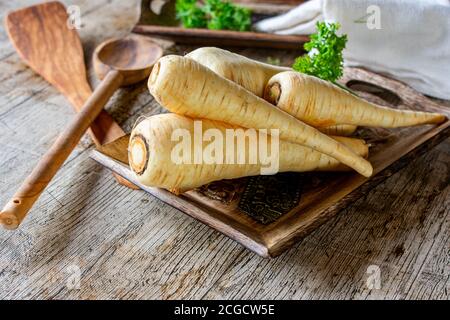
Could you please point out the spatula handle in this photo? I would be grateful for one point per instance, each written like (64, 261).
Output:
(17, 208)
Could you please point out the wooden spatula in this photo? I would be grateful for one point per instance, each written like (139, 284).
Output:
(117, 149)
(43, 39)
(127, 60)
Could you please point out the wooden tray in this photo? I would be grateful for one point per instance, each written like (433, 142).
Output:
(268, 214)
(164, 25)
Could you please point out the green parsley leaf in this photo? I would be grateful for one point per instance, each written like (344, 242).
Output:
(324, 59)
(190, 14)
(214, 15)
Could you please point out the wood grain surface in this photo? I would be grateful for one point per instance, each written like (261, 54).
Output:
(54, 51)
(49, 164)
(42, 37)
(244, 209)
(204, 37)
(128, 244)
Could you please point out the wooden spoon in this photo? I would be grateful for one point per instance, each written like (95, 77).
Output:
(44, 41)
(123, 61)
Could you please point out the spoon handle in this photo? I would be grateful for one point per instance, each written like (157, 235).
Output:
(16, 209)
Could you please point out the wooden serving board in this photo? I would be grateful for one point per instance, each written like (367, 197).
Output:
(156, 21)
(268, 214)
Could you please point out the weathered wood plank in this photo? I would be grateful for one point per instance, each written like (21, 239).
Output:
(384, 229)
(82, 233)
(130, 245)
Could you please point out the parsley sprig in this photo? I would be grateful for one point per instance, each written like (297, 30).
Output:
(324, 59)
(190, 14)
(214, 14)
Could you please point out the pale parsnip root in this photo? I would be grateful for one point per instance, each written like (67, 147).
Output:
(250, 74)
(186, 87)
(338, 130)
(151, 148)
(320, 103)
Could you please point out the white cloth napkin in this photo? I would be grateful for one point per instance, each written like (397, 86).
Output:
(412, 43)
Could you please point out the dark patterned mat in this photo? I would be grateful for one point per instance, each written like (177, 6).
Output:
(266, 198)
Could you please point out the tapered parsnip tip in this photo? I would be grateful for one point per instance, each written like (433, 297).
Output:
(440, 118)
(339, 130)
(364, 168)
(138, 153)
(320, 103)
(368, 170)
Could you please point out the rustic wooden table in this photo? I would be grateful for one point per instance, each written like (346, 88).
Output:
(126, 244)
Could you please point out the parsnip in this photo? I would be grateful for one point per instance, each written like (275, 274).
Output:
(250, 74)
(186, 87)
(320, 103)
(338, 130)
(151, 148)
